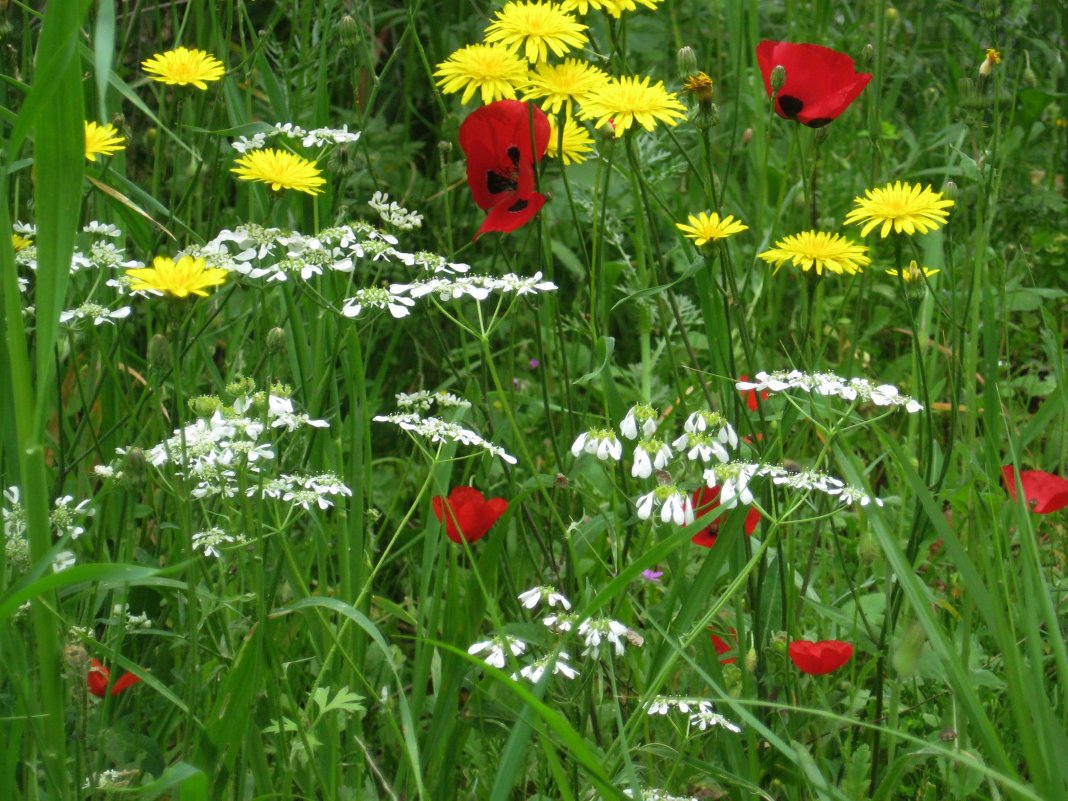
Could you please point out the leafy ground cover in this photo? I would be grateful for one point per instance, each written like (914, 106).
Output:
(593, 399)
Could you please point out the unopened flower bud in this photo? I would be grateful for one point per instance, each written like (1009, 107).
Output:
(204, 405)
(686, 60)
(950, 190)
(986, 69)
(348, 30)
(1029, 76)
(867, 548)
(868, 53)
(747, 136)
(444, 148)
(891, 15)
(778, 77)
(751, 661)
(276, 341)
(134, 464)
(561, 481)
(240, 386)
(159, 353)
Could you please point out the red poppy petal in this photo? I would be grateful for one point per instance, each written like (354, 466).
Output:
(462, 494)
(706, 538)
(1045, 492)
(819, 658)
(125, 681)
(752, 520)
(97, 680)
(511, 213)
(820, 82)
(723, 647)
(501, 150)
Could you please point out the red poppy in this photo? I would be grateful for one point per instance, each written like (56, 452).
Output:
(723, 647)
(99, 678)
(1045, 492)
(751, 401)
(705, 499)
(502, 141)
(818, 658)
(820, 82)
(467, 514)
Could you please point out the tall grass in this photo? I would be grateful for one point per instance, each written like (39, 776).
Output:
(323, 653)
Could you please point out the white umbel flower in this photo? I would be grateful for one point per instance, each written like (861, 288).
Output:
(649, 455)
(601, 442)
(640, 417)
(548, 594)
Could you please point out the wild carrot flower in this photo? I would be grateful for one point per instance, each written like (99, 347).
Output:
(577, 143)
(819, 250)
(704, 228)
(630, 99)
(558, 86)
(819, 658)
(650, 454)
(818, 85)
(492, 70)
(675, 505)
(537, 28)
(182, 66)
(595, 631)
(533, 672)
(827, 384)
(902, 207)
(102, 140)
(280, 169)
(187, 276)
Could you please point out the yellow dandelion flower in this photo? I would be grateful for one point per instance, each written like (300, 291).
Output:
(281, 169)
(493, 70)
(627, 100)
(903, 207)
(182, 66)
(993, 57)
(913, 273)
(537, 28)
(710, 227)
(560, 85)
(613, 7)
(20, 242)
(187, 277)
(577, 143)
(700, 86)
(819, 250)
(102, 140)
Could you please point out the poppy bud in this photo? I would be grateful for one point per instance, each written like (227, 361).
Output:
(348, 30)
(868, 53)
(686, 60)
(159, 353)
(276, 341)
(891, 15)
(1029, 77)
(778, 77)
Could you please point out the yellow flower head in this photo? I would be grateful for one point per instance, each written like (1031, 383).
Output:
(903, 207)
(613, 7)
(630, 99)
(819, 250)
(102, 140)
(913, 274)
(281, 169)
(577, 144)
(537, 28)
(993, 55)
(709, 227)
(987, 67)
(20, 242)
(187, 277)
(493, 70)
(559, 84)
(700, 86)
(182, 66)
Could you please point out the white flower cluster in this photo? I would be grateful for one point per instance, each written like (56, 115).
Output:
(96, 313)
(596, 631)
(495, 649)
(849, 389)
(423, 400)
(478, 287)
(392, 213)
(66, 516)
(700, 711)
(676, 506)
(437, 430)
(211, 540)
(318, 137)
(651, 794)
(602, 442)
(546, 594)
(130, 621)
(733, 480)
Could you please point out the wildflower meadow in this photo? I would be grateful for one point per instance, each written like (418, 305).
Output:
(411, 400)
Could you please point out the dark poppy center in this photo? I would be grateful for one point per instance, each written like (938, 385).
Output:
(519, 205)
(513, 155)
(497, 183)
(790, 105)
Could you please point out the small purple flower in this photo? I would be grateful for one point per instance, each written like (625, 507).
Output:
(534, 364)
(652, 576)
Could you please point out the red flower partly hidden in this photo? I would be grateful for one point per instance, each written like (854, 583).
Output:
(818, 658)
(467, 514)
(705, 499)
(723, 647)
(751, 401)
(99, 678)
(1045, 492)
(820, 82)
(502, 142)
